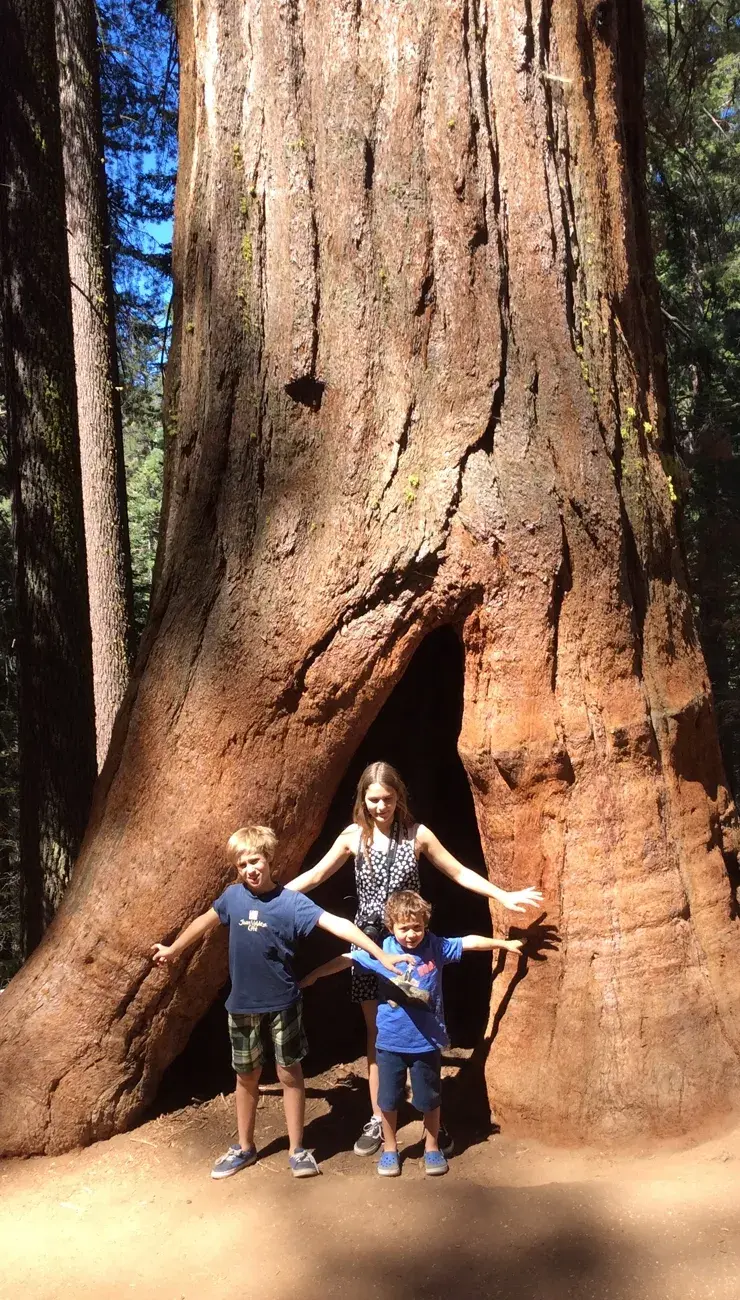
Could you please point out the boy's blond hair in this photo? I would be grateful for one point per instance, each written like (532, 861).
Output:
(253, 839)
(407, 905)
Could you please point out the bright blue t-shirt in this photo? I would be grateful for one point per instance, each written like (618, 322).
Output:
(413, 1028)
(263, 929)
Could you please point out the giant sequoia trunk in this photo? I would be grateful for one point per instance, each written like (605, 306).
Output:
(98, 401)
(417, 383)
(56, 731)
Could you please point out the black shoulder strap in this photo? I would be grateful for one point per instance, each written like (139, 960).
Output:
(391, 854)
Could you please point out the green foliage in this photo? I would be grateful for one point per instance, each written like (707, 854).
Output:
(143, 440)
(693, 120)
(693, 107)
(139, 85)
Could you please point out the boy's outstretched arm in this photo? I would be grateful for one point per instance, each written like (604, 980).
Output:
(162, 955)
(480, 943)
(350, 933)
(329, 968)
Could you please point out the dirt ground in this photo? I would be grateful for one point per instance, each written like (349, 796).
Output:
(139, 1215)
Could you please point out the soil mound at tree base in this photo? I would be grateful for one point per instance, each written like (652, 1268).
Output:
(139, 1216)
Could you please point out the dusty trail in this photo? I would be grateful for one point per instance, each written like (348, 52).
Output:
(138, 1215)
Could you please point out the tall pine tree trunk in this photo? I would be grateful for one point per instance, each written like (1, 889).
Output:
(98, 401)
(418, 382)
(56, 736)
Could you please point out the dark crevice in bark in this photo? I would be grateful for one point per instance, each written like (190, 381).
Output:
(316, 273)
(479, 237)
(427, 295)
(562, 584)
(486, 442)
(369, 165)
(732, 867)
(401, 445)
(481, 106)
(528, 36)
(307, 391)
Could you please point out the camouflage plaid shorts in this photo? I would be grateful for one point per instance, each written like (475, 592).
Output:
(286, 1031)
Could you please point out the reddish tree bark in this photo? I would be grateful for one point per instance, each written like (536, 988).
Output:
(418, 382)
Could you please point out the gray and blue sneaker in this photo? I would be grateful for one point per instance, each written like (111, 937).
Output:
(234, 1160)
(371, 1138)
(389, 1166)
(303, 1164)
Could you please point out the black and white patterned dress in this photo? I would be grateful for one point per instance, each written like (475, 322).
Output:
(375, 884)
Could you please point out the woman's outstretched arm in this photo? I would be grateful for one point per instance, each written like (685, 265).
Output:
(515, 900)
(342, 848)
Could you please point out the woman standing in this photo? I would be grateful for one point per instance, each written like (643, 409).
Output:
(386, 844)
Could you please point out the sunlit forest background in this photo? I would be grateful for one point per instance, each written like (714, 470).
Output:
(692, 98)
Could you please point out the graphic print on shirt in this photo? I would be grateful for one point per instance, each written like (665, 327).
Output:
(253, 922)
(263, 932)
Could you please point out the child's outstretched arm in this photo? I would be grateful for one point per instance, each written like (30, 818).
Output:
(332, 860)
(343, 929)
(480, 943)
(162, 955)
(342, 962)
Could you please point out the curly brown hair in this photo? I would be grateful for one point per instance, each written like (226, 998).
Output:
(407, 905)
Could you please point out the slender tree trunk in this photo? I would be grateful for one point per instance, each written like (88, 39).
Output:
(98, 402)
(57, 737)
(418, 382)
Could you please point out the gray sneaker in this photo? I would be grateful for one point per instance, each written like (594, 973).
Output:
(303, 1164)
(370, 1139)
(234, 1160)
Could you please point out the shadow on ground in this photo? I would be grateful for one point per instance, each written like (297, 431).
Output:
(460, 1241)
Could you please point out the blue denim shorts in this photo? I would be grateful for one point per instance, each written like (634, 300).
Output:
(425, 1069)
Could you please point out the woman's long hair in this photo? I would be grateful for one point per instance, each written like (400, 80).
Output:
(380, 774)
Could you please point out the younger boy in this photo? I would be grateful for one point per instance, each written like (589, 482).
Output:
(410, 1021)
(264, 922)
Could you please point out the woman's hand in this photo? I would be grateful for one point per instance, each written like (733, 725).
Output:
(308, 980)
(517, 900)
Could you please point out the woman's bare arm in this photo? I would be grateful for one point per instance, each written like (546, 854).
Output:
(342, 848)
(515, 900)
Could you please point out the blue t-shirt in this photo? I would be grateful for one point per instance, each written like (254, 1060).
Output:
(409, 1027)
(263, 929)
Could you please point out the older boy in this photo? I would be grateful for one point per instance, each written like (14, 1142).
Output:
(264, 922)
(411, 1024)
